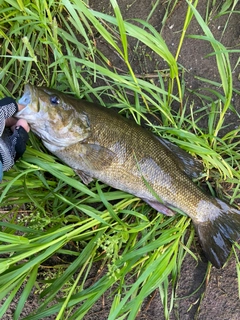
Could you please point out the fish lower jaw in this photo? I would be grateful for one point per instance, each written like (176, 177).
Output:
(51, 146)
(26, 114)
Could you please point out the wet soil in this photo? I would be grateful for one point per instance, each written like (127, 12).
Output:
(217, 297)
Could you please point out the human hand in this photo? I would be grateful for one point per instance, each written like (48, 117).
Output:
(13, 122)
(13, 134)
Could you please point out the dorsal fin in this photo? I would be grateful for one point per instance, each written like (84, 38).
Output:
(187, 163)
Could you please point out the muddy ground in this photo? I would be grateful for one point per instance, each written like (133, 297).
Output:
(218, 296)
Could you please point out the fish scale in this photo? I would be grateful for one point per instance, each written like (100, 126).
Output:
(99, 143)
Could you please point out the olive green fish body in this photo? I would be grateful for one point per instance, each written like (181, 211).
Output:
(122, 154)
(101, 144)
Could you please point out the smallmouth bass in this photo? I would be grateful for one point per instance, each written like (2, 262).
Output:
(98, 143)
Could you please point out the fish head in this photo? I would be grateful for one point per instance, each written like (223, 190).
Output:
(53, 116)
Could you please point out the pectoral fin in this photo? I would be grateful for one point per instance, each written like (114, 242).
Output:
(97, 157)
(86, 179)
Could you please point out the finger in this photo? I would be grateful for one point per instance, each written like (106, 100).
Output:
(20, 138)
(10, 122)
(21, 123)
(20, 107)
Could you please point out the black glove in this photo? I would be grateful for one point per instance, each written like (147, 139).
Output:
(12, 144)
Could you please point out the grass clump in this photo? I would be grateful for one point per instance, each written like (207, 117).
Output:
(54, 43)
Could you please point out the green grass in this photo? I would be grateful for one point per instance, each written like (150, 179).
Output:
(51, 213)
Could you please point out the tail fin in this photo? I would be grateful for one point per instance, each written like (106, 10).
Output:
(217, 235)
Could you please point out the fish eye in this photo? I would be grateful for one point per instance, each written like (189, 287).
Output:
(54, 100)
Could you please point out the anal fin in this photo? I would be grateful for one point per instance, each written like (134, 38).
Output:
(160, 207)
